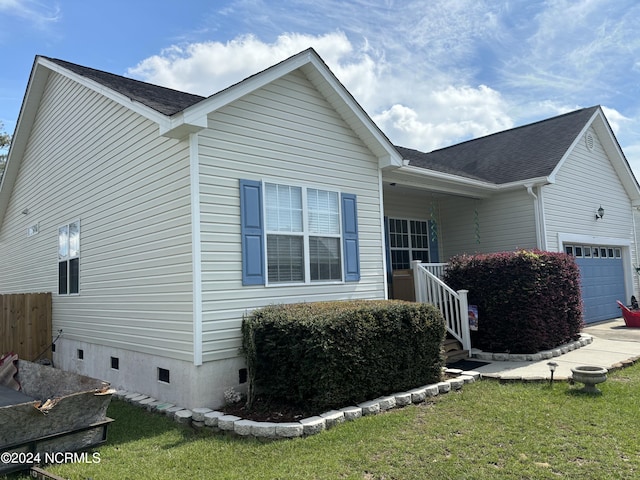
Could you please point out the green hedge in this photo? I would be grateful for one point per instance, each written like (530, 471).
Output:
(527, 301)
(333, 354)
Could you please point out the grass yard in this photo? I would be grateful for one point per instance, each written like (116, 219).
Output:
(486, 431)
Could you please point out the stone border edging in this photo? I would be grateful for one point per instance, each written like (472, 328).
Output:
(583, 341)
(220, 422)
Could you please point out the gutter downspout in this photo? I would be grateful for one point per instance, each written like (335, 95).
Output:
(538, 213)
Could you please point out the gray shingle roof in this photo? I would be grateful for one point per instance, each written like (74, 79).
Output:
(164, 100)
(530, 151)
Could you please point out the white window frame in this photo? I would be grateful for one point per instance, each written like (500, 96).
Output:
(410, 248)
(68, 257)
(589, 251)
(305, 234)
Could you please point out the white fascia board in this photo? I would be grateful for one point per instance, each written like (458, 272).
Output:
(617, 157)
(529, 182)
(388, 156)
(197, 114)
(562, 161)
(470, 182)
(613, 151)
(180, 126)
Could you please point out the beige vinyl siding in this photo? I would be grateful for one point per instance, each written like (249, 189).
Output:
(504, 222)
(91, 159)
(285, 132)
(413, 204)
(586, 181)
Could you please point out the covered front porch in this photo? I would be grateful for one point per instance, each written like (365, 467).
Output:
(431, 218)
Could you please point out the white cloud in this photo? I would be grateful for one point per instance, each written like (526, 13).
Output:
(439, 115)
(574, 48)
(453, 114)
(31, 10)
(615, 118)
(207, 67)
(434, 73)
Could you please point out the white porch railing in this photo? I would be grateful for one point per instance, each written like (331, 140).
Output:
(453, 305)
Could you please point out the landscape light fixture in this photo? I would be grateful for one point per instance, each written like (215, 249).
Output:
(552, 369)
(600, 213)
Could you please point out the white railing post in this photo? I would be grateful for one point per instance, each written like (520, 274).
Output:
(454, 306)
(418, 284)
(464, 320)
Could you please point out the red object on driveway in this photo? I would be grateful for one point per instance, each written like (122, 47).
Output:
(631, 317)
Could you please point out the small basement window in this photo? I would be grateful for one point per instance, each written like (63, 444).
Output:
(115, 363)
(80, 354)
(163, 375)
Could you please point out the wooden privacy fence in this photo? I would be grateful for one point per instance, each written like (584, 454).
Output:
(25, 325)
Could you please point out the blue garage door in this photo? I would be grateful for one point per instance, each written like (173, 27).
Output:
(602, 279)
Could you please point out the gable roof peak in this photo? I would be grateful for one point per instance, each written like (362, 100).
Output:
(526, 152)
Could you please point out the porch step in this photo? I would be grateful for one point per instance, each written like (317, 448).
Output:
(453, 350)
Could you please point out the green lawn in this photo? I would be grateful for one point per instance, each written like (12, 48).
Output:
(487, 431)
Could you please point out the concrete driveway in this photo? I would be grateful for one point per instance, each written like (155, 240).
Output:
(613, 330)
(613, 343)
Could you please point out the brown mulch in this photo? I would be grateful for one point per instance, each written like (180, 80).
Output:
(268, 411)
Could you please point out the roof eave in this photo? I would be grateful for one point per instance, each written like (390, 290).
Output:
(483, 185)
(457, 183)
(180, 125)
(164, 122)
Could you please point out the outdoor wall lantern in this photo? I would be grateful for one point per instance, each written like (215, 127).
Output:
(552, 368)
(600, 213)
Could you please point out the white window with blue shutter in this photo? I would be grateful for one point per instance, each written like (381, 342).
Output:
(297, 235)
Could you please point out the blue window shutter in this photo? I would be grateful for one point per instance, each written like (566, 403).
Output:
(387, 249)
(252, 231)
(350, 238)
(433, 241)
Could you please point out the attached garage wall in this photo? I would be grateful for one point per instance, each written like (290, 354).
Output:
(586, 181)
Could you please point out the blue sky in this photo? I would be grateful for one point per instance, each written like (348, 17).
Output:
(431, 73)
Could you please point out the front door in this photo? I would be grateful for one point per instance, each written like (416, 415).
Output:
(408, 240)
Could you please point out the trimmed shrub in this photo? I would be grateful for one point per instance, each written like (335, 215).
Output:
(527, 301)
(333, 354)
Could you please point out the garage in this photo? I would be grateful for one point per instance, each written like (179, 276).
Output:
(602, 280)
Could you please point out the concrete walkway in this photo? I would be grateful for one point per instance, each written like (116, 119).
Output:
(613, 346)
